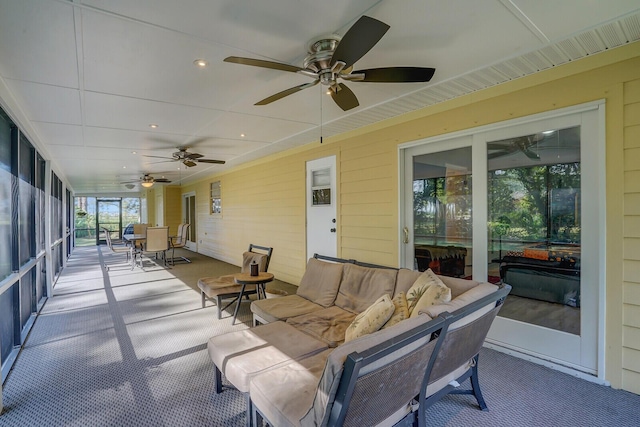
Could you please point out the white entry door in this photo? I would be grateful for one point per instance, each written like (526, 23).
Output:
(322, 226)
(189, 217)
(159, 210)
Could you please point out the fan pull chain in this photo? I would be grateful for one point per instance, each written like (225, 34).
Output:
(321, 115)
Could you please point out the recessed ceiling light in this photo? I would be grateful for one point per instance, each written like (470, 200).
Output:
(201, 63)
(153, 126)
(134, 152)
(242, 135)
(124, 167)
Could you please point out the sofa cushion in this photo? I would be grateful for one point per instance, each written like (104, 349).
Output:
(406, 278)
(371, 319)
(327, 325)
(473, 294)
(249, 258)
(361, 286)
(457, 285)
(285, 394)
(274, 309)
(427, 290)
(240, 355)
(320, 282)
(400, 312)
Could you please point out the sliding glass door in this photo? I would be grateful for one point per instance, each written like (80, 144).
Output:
(522, 203)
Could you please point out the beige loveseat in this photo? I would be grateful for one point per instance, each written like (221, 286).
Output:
(290, 366)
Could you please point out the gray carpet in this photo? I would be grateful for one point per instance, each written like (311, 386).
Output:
(123, 348)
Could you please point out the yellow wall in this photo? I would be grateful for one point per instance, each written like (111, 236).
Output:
(263, 202)
(172, 203)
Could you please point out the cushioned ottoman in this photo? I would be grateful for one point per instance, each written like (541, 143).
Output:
(244, 354)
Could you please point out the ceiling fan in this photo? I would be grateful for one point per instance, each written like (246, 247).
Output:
(331, 58)
(146, 181)
(188, 159)
(523, 144)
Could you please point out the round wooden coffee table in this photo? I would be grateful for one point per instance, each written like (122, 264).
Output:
(245, 279)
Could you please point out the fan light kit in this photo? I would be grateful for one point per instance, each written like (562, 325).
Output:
(331, 58)
(146, 181)
(201, 63)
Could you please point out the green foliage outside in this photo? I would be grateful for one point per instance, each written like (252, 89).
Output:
(526, 204)
(86, 215)
(535, 204)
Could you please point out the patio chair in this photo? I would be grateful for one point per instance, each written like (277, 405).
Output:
(366, 382)
(457, 359)
(118, 249)
(157, 241)
(179, 241)
(224, 287)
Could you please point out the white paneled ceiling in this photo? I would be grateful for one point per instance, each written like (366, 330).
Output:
(86, 78)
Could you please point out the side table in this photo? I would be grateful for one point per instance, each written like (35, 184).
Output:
(245, 279)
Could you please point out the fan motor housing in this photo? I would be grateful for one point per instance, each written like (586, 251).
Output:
(320, 53)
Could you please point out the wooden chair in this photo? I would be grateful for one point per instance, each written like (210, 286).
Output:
(224, 287)
(179, 241)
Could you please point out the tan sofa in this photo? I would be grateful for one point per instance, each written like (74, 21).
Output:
(288, 364)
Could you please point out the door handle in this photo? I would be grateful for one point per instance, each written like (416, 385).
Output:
(405, 235)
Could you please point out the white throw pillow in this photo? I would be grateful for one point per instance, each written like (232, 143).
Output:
(401, 311)
(426, 291)
(371, 319)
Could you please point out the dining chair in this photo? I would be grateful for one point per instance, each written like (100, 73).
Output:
(157, 241)
(139, 229)
(179, 241)
(118, 249)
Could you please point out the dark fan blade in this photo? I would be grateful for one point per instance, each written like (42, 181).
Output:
(218, 162)
(497, 154)
(161, 180)
(159, 157)
(397, 74)
(164, 161)
(193, 156)
(359, 40)
(287, 92)
(344, 97)
(189, 163)
(263, 64)
(530, 154)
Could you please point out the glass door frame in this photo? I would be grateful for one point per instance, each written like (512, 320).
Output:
(99, 241)
(579, 355)
(189, 215)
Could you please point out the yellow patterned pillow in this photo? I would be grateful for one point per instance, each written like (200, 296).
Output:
(426, 291)
(401, 311)
(371, 319)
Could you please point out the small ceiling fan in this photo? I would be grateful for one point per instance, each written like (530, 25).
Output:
(146, 181)
(331, 58)
(523, 144)
(188, 159)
